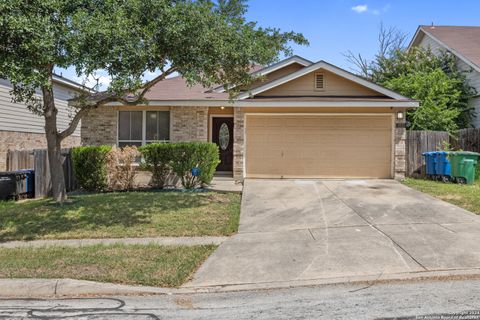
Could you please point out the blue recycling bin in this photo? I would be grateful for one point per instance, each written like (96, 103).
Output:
(442, 164)
(30, 182)
(430, 158)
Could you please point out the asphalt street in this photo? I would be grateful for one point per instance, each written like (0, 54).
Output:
(417, 300)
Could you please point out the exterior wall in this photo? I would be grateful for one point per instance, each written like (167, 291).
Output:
(186, 124)
(399, 164)
(334, 86)
(99, 127)
(189, 124)
(400, 151)
(16, 117)
(473, 76)
(12, 140)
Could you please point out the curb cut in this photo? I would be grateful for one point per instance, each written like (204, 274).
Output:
(53, 288)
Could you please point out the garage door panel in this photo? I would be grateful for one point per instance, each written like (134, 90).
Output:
(318, 146)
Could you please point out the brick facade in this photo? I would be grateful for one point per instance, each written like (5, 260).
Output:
(238, 143)
(189, 124)
(400, 148)
(13, 140)
(99, 127)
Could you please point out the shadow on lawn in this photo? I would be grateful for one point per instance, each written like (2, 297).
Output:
(33, 219)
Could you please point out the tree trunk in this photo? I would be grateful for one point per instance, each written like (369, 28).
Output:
(59, 192)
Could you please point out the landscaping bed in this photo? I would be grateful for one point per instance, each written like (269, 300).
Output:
(465, 196)
(152, 265)
(122, 214)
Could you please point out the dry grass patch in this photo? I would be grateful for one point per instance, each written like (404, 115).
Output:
(153, 265)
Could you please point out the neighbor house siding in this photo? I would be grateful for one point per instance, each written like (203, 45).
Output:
(16, 117)
(472, 75)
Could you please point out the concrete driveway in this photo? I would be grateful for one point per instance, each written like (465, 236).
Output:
(297, 230)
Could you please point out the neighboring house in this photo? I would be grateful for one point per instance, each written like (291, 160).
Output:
(301, 120)
(464, 43)
(20, 129)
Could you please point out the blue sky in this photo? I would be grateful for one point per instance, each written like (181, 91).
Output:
(335, 26)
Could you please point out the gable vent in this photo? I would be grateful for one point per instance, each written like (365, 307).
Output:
(319, 81)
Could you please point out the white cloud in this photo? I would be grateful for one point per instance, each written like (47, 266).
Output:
(360, 8)
(92, 80)
(363, 8)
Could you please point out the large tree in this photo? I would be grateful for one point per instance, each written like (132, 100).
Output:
(207, 42)
(433, 79)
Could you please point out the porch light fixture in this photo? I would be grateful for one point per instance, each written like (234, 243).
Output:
(400, 115)
(222, 108)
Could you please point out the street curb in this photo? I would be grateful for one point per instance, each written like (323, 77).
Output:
(51, 288)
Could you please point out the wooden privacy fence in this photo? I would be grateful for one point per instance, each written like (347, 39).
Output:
(38, 160)
(419, 142)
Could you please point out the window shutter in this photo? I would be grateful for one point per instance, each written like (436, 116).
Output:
(319, 81)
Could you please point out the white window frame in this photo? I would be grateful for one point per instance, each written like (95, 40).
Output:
(144, 140)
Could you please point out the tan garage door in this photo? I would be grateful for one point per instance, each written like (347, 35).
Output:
(318, 146)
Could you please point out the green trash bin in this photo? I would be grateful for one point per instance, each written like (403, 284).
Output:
(464, 164)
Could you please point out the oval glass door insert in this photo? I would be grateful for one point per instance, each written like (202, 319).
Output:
(224, 136)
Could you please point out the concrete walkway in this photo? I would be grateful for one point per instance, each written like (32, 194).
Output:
(165, 241)
(299, 230)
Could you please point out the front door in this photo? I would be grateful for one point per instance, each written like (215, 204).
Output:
(222, 135)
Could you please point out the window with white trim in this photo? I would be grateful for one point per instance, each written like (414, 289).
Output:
(136, 128)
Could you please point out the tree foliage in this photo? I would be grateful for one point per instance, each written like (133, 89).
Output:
(433, 79)
(206, 41)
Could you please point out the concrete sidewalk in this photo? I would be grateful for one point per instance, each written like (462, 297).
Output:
(300, 231)
(164, 241)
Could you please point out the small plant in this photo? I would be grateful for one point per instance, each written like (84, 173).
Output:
(157, 158)
(89, 167)
(120, 167)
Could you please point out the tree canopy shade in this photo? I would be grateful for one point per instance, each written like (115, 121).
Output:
(207, 42)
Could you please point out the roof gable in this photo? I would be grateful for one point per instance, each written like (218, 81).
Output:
(462, 41)
(322, 65)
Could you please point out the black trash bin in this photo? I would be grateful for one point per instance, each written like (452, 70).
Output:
(13, 185)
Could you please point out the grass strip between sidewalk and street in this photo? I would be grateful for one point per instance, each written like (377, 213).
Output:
(465, 196)
(152, 265)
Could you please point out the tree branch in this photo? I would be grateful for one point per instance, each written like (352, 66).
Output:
(86, 108)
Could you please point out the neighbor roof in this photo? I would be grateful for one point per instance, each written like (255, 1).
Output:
(463, 41)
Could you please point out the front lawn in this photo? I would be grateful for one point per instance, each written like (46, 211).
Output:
(465, 196)
(122, 214)
(151, 265)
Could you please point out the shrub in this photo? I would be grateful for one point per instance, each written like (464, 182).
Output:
(189, 155)
(157, 158)
(89, 166)
(120, 169)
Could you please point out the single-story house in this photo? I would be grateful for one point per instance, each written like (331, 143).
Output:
(299, 120)
(20, 129)
(464, 43)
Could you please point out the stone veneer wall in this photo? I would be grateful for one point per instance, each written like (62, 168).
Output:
(239, 145)
(189, 124)
(13, 140)
(400, 147)
(99, 127)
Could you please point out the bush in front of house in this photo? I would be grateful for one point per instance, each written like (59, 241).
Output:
(157, 159)
(180, 158)
(120, 167)
(89, 167)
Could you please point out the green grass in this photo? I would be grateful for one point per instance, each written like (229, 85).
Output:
(123, 214)
(151, 265)
(465, 196)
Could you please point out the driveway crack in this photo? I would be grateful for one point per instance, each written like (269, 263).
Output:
(376, 228)
(310, 231)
